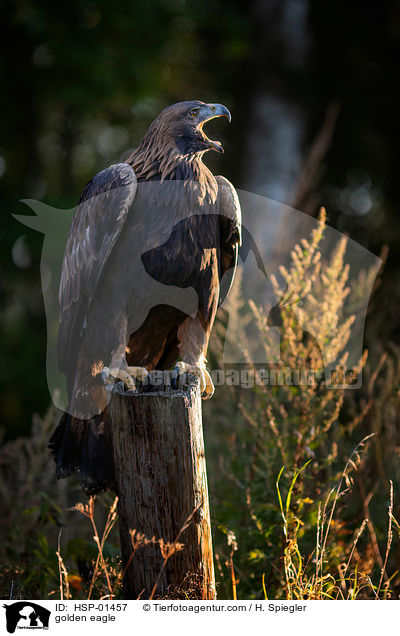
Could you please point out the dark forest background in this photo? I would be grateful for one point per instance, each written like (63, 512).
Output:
(81, 81)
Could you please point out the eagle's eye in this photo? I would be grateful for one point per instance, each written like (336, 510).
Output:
(194, 112)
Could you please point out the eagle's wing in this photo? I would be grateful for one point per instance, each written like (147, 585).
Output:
(95, 227)
(230, 224)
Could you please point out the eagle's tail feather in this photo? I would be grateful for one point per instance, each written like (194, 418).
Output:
(84, 447)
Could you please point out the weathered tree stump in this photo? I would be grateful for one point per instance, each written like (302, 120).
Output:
(161, 481)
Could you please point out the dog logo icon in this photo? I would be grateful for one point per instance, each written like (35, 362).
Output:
(26, 615)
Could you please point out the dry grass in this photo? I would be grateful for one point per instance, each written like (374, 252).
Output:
(306, 577)
(113, 578)
(301, 581)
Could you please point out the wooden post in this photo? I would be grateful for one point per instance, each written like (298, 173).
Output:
(161, 481)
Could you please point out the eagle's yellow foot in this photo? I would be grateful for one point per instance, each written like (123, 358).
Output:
(206, 384)
(138, 373)
(127, 376)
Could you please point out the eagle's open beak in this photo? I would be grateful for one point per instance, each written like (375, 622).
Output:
(211, 111)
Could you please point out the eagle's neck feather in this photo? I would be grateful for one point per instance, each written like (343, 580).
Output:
(152, 161)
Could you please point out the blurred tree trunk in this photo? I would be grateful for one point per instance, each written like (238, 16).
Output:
(275, 133)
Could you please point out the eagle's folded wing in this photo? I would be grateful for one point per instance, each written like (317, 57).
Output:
(95, 227)
(230, 224)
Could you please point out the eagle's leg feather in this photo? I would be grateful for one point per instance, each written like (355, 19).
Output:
(193, 336)
(206, 384)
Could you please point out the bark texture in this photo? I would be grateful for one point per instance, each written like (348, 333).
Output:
(160, 474)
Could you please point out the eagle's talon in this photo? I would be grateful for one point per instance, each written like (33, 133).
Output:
(110, 376)
(138, 373)
(174, 378)
(129, 376)
(209, 387)
(200, 372)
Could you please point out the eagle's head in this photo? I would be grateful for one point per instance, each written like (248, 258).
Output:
(175, 142)
(182, 124)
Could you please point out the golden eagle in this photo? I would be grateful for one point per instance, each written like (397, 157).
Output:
(161, 217)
